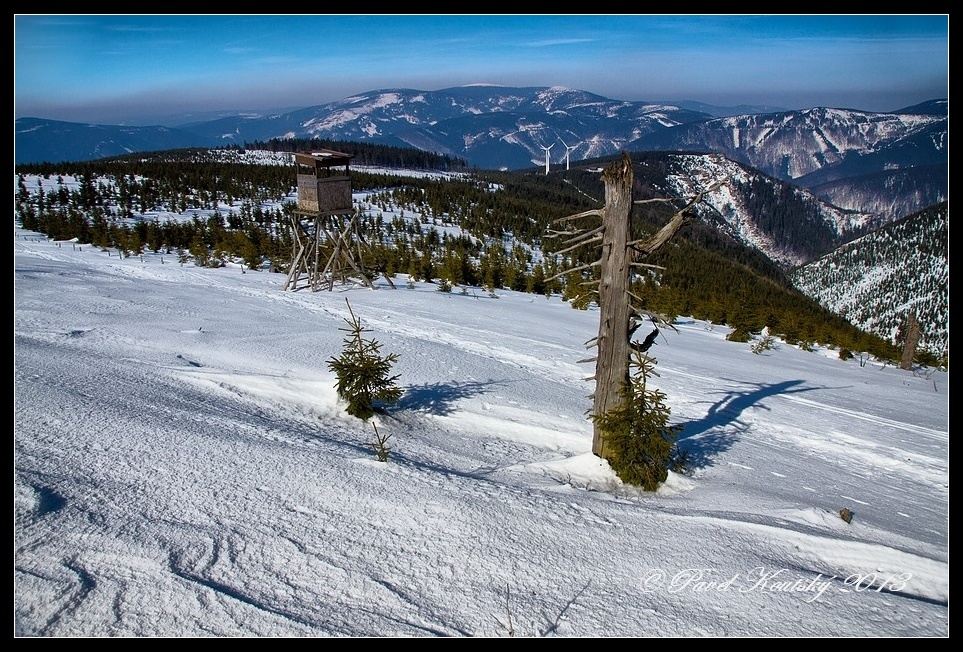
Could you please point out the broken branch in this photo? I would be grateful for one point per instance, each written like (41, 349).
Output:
(648, 246)
(597, 238)
(595, 212)
(647, 265)
(597, 263)
(584, 235)
(665, 200)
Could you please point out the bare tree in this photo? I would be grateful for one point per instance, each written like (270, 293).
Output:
(619, 255)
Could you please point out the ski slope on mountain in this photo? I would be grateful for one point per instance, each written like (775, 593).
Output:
(182, 467)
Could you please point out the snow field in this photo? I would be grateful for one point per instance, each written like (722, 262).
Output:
(183, 467)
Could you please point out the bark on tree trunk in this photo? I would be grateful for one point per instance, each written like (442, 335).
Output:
(912, 339)
(612, 366)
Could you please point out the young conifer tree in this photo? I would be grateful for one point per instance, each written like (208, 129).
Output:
(640, 440)
(362, 373)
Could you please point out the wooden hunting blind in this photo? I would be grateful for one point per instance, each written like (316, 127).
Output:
(327, 242)
(323, 186)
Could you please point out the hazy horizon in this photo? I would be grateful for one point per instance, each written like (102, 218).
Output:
(140, 70)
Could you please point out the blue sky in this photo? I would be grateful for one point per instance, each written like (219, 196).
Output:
(140, 69)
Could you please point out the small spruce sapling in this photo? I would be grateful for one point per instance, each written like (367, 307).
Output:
(380, 444)
(640, 441)
(362, 373)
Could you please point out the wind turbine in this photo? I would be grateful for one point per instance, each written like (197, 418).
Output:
(546, 156)
(567, 150)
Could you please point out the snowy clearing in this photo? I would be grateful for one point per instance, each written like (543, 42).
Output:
(183, 467)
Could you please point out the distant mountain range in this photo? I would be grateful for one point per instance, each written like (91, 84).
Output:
(717, 111)
(788, 224)
(876, 280)
(38, 139)
(815, 145)
(889, 164)
(490, 126)
(843, 155)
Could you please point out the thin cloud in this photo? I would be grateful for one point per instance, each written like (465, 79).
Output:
(239, 50)
(139, 28)
(60, 22)
(550, 42)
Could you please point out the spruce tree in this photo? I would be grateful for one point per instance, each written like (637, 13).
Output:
(198, 249)
(640, 441)
(362, 373)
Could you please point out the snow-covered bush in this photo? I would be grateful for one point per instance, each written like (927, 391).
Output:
(766, 342)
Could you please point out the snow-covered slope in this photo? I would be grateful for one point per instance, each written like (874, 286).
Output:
(793, 144)
(788, 224)
(890, 194)
(876, 280)
(182, 467)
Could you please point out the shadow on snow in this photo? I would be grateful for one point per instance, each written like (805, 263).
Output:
(715, 433)
(439, 398)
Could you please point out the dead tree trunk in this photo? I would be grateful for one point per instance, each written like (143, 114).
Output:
(612, 365)
(618, 255)
(912, 339)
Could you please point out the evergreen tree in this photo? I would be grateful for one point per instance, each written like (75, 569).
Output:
(536, 282)
(414, 269)
(362, 373)
(248, 251)
(575, 293)
(22, 194)
(199, 250)
(638, 434)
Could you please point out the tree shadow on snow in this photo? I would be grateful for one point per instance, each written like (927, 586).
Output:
(715, 433)
(439, 398)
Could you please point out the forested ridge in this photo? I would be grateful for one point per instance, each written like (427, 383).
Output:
(478, 229)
